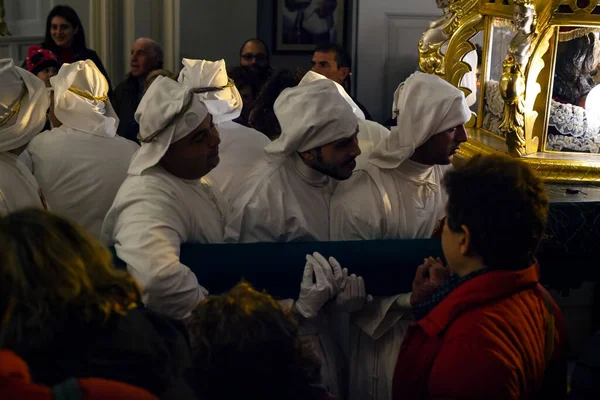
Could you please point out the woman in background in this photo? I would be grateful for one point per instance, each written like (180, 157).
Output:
(65, 37)
(67, 313)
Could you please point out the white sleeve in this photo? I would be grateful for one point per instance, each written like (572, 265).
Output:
(147, 235)
(256, 221)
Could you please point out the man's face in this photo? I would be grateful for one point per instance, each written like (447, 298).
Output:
(142, 58)
(325, 64)
(336, 159)
(196, 154)
(254, 56)
(440, 148)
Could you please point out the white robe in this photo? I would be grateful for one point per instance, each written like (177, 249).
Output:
(241, 147)
(80, 172)
(281, 201)
(152, 215)
(286, 201)
(18, 187)
(403, 203)
(370, 134)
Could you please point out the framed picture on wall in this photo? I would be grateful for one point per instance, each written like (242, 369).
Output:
(302, 24)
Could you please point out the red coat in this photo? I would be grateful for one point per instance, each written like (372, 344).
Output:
(15, 383)
(485, 340)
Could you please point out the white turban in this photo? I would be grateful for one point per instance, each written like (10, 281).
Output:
(24, 102)
(311, 115)
(167, 113)
(427, 105)
(313, 76)
(222, 99)
(81, 99)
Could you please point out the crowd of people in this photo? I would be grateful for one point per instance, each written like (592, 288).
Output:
(166, 160)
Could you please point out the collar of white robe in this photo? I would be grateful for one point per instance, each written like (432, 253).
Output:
(311, 115)
(80, 99)
(426, 105)
(23, 104)
(212, 85)
(167, 113)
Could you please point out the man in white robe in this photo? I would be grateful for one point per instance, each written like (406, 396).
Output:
(24, 101)
(398, 196)
(286, 196)
(241, 147)
(167, 200)
(370, 133)
(82, 163)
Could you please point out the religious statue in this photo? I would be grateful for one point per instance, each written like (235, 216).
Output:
(3, 27)
(438, 33)
(512, 83)
(430, 45)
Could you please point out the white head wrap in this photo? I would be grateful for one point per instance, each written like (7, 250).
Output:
(427, 105)
(313, 76)
(24, 102)
(167, 113)
(311, 116)
(81, 99)
(224, 102)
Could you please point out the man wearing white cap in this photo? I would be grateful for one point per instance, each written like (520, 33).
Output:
(286, 197)
(241, 147)
(370, 133)
(398, 196)
(82, 163)
(166, 200)
(23, 104)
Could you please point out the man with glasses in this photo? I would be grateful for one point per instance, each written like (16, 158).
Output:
(254, 56)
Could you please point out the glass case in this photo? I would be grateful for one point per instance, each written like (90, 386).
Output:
(538, 95)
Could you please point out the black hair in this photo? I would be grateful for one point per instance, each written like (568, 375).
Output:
(574, 66)
(504, 206)
(262, 42)
(341, 56)
(71, 16)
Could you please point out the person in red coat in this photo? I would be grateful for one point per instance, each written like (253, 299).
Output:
(16, 383)
(490, 331)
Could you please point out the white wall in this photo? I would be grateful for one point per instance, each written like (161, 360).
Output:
(387, 39)
(215, 29)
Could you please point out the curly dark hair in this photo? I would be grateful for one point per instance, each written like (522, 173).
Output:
(245, 345)
(51, 272)
(575, 63)
(262, 117)
(504, 206)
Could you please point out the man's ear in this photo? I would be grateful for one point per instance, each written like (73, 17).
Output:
(308, 155)
(344, 73)
(465, 240)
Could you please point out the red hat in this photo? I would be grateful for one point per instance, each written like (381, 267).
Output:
(39, 59)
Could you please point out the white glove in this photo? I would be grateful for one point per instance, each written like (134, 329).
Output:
(354, 296)
(313, 296)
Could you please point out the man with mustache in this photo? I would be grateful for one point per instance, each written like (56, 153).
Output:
(398, 195)
(286, 196)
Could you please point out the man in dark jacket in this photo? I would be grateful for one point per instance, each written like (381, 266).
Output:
(146, 56)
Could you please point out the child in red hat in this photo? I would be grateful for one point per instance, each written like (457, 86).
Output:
(42, 63)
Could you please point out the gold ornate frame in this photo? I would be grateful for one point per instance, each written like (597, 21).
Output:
(526, 83)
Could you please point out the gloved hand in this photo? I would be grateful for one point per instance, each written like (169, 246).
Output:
(429, 277)
(354, 295)
(314, 295)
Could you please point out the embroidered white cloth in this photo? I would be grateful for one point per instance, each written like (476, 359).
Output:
(24, 101)
(81, 99)
(169, 109)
